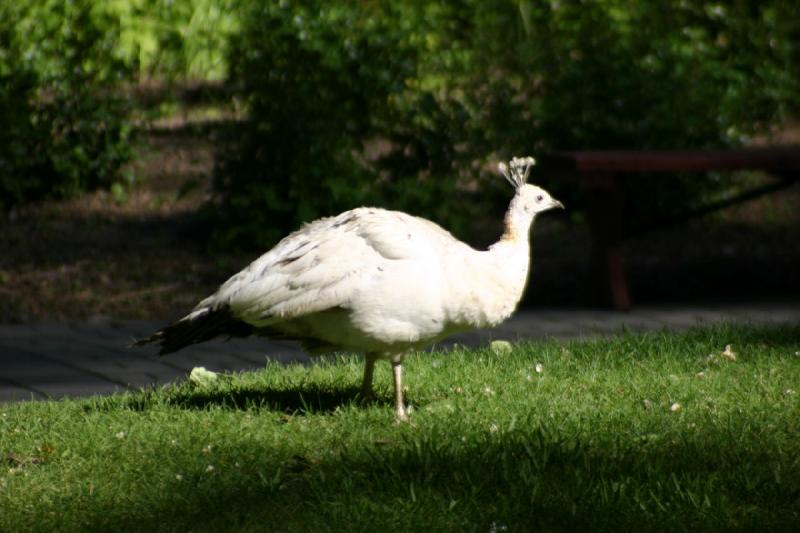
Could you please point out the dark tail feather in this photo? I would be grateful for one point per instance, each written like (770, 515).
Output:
(214, 323)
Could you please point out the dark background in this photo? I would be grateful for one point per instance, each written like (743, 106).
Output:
(149, 150)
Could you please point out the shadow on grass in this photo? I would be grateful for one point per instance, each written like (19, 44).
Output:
(550, 480)
(306, 399)
(309, 398)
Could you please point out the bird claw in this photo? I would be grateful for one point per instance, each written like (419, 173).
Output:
(401, 418)
(366, 397)
(401, 413)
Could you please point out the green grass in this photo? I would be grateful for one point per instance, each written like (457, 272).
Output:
(593, 441)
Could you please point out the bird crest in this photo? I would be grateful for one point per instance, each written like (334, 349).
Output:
(517, 170)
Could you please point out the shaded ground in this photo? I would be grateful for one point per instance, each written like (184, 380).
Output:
(146, 255)
(750, 252)
(138, 257)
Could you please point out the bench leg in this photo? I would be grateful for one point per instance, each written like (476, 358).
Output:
(606, 218)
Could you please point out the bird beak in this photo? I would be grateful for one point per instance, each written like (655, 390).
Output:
(558, 204)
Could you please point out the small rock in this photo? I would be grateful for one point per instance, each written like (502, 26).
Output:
(202, 377)
(500, 347)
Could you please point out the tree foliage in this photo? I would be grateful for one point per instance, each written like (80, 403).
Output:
(403, 103)
(327, 88)
(63, 130)
(65, 122)
(176, 39)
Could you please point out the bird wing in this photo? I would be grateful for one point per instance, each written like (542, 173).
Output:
(325, 265)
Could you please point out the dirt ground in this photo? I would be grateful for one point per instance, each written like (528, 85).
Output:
(142, 256)
(147, 256)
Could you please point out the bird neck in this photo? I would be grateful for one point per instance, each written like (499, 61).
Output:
(510, 256)
(512, 253)
(502, 271)
(517, 223)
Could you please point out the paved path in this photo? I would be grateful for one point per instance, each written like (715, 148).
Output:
(92, 357)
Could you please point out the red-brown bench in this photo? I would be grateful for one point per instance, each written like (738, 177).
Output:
(602, 174)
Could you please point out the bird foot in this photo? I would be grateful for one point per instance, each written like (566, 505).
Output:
(366, 397)
(401, 414)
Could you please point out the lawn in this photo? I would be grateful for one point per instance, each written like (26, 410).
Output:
(659, 431)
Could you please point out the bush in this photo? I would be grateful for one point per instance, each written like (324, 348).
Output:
(176, 39)
(635, 75)
(17, 131)
(62, 128)
(443, 88)
(326, 87)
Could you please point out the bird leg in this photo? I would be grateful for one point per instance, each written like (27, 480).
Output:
(399, 407)
(366, 385)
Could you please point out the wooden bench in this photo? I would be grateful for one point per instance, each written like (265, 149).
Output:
(602, 175)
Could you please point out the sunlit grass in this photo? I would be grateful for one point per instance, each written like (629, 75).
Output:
(659, 431)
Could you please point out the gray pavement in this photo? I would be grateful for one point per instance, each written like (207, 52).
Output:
(53, 360)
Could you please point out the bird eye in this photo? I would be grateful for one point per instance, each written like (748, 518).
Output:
(539, 198)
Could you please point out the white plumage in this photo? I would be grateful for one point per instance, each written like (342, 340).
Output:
(373, 281)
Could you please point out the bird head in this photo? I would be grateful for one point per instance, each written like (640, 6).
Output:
(533, 199)
(529, 198)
